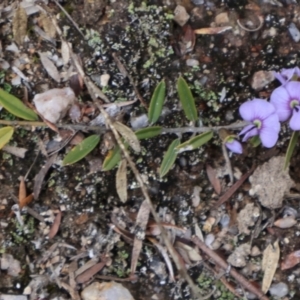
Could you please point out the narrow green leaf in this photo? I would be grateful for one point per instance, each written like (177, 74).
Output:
(5, 135)
(169, 158)
(148, 132)
(112, 159)
(81, 150)
(16, 106)
(187, 99)
(157, 102)
(290, 149)
(195, 142)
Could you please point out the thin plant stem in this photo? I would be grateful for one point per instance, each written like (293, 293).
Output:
(103, 129)
(180, 267)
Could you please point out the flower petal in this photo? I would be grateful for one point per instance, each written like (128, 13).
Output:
(295, 119)
(289, 73)
(250, 133)
(279, 77)
(280, 98)
(268, 137)
(256, 109)
(293, 89)
(246, 129)
(270, 130)
(234, 146)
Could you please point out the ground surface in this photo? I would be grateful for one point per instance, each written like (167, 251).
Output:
(152, 47)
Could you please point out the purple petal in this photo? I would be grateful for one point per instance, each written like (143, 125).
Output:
(246, 129)
(295, 119)
(256, 109)
(279, 77)
(250, 133)
(280, 98)
(270, 130)
(234, 146)
(293, 89)
(289, 73)
(297, 71)
(271, 122)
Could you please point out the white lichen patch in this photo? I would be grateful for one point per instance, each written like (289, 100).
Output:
(239, 257)
(247, 217)
(270, 182)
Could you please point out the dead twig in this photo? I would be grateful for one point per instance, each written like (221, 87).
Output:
(224, 265)
(234, 188)
(70, 18)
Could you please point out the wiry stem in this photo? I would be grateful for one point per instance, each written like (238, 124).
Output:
(102, 129)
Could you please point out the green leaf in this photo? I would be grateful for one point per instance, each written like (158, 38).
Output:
(195, 142)
(81, 150)
(16, 106)
(187, 99)
(169, 158)
(157, 102)
(290, 149)
(5, 135)
(148, 132)
(255, 141)
(112, 159)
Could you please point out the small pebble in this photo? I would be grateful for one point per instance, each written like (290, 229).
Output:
(209, 239)
(287, 222)
(294, 32)
(104, 79)
(192, 62)
(106, 291)
(279, 290)
(225, 219)
(198, 2)
(138, 122)
(180, 15)
(261, 78)
(222, 19)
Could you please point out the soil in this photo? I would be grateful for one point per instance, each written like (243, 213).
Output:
(152, 47)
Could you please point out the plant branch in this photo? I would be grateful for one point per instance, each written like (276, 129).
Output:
(180, 267)
(103, 129)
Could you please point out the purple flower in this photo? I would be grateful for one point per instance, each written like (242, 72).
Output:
(287, 74)
(234, 146)
(286, 100)
(263, 121)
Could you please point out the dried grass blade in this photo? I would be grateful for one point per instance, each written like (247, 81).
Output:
(25, 201)
(269, 264)
(19, 25)
(121, 180)
(55, 226)
(212, 30)
(214, 180)
(141, 223)
(22, 189)
(166, 257)
(129, 136)
(85, 276)
(49, 67)
(39, 178)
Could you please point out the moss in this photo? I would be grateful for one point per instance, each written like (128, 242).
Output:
(23, 234)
